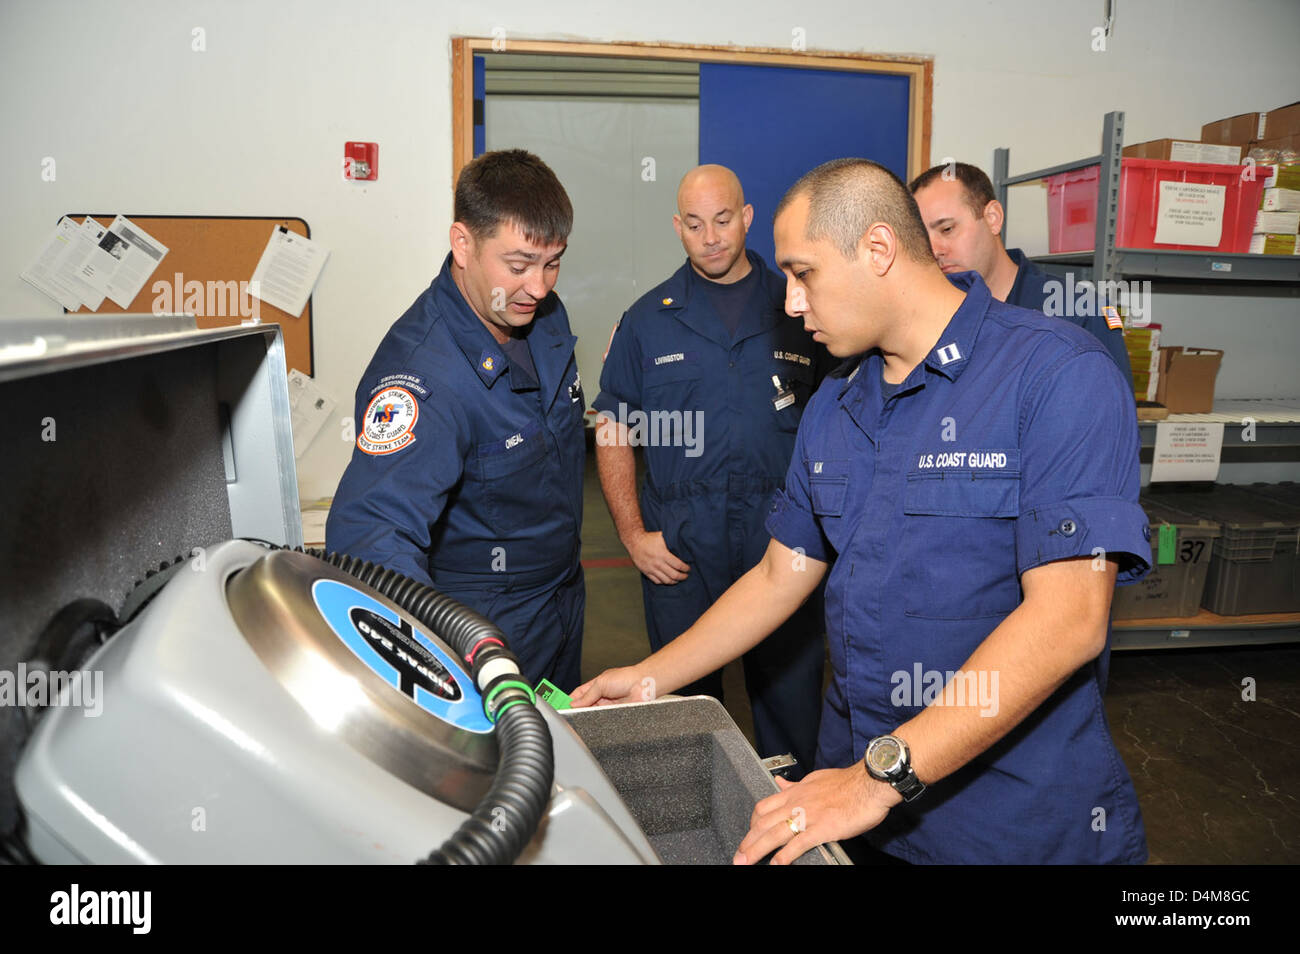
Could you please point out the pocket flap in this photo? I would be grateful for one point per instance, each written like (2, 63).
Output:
(828, 482)
(512, 452)
(962, 494)
(669, 367)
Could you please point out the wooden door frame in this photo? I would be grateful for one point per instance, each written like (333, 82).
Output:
(919, 68)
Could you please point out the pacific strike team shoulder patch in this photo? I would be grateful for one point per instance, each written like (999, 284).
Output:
(389, 422)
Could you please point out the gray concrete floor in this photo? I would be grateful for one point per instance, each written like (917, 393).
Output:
(1217, 777)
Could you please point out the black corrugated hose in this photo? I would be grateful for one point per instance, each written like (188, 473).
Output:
(507, 817)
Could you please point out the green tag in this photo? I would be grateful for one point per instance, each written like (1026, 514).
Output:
(1165, 552)
(558, 699)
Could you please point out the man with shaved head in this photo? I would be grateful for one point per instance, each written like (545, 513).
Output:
(709, 375)
(967, 484)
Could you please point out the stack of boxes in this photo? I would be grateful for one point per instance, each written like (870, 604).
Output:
(1271, 140)
(1270, 137)
(1268, 144)
(1179, 379)
(1232, 550)
(1278, 221)
(1184, 150)
(1143, 346)
(1279, 136)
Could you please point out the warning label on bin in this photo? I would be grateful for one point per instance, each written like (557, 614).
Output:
(1190, 213)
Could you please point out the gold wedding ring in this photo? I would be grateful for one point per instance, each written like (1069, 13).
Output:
(792, 824)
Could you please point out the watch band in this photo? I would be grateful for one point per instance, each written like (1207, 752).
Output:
(901, 776)
(909, 786)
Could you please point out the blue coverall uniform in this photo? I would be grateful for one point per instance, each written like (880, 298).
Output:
(671, 353)
(1014, 443)
(467, 473)
(1031, 290)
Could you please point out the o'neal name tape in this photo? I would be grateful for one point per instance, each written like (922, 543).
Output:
(401, 655)
(388, 423)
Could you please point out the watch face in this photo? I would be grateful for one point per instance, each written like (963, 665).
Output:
(883, 754)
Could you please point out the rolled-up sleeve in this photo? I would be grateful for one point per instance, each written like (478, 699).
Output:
(1079, 469)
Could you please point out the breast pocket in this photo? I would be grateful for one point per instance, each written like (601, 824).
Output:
(959, 546)
(828, 492)
(671, 382)
(508, 468)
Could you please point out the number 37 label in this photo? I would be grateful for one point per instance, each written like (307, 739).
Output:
(1170, 550)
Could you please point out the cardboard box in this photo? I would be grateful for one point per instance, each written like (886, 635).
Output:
(1233, 131)
(1145, 385)
(1140, 358)
(1277, 223)
(1143, 349)
(1186, 384)
(1281, 200)
(1147, 369)
(1144, 338)
(1273, 244)
(1184, 150)
(1277, 123)
(1285, 175)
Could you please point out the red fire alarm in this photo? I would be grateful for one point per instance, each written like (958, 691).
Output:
(361, 161)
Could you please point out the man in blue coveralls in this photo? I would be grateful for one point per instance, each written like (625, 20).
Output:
(467, 471)
(965, 218)
(971, 485)
(709, 375)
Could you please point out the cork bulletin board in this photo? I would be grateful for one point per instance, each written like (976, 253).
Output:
(214, 250)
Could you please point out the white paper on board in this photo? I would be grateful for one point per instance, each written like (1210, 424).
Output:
(57, 269)
(288, 270)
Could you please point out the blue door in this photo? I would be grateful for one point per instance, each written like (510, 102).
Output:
(772, 124)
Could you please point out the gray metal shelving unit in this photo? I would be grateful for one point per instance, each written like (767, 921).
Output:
(1106, 263)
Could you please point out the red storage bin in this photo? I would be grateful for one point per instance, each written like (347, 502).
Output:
(1072, 204)
(1072, 210)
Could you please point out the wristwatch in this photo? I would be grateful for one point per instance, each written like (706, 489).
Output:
(888, 760)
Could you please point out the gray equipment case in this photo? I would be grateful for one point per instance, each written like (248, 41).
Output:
(133, 442)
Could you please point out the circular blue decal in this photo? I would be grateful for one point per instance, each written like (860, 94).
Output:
(401, 655)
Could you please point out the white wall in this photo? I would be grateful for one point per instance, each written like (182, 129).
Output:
(138, 122)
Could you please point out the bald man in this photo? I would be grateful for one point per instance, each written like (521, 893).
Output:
(710, 377)
(967, 485)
